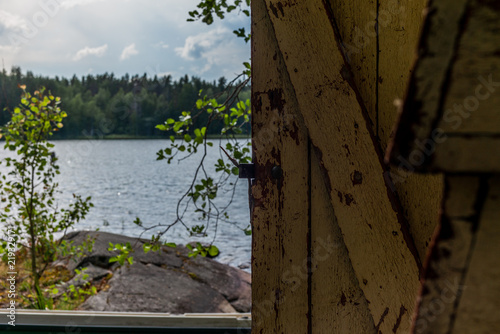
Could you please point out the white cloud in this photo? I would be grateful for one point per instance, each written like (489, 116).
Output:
(73, 3)
(209, 49)
(87, 51)
(129, 51)
(12, 22)
(9, 49)
(199, 46)
(161, 44)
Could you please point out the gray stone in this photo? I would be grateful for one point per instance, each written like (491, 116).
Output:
(165, 281)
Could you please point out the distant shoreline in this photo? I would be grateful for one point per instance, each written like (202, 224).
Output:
(129, 137)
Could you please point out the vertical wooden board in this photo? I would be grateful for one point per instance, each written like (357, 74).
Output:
(479, 308)
(441, 29)
(356, 21)
(280, 216)
(338, 304)
(449, 258)
(379, 248)
(399, 25)
(472, 101)
(420, 195)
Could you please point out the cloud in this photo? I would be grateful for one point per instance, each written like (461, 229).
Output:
(98, 52)
(73, 3)
(161, 44)
(129, 51)
(12, 22)
(199, 46)
(211, 49)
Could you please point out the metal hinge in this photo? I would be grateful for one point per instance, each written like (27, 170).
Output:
(247, 171)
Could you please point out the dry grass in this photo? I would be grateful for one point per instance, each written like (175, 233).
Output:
(53, 276)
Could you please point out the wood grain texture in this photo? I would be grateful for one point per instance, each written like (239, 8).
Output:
(356, 22)
(338, 303)
(458, 154)
(454, 90)
(381, 256)
(399, 25)
(449, 258)
(281, 213)
(479, 308)
(471, 105)
(436, 51)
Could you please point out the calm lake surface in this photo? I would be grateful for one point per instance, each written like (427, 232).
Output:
(125, 182)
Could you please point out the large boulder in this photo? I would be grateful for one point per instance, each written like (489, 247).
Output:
(166, 281)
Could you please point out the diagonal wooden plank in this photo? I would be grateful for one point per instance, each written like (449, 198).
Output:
(382, 254)
(280, 244)
(337, 301)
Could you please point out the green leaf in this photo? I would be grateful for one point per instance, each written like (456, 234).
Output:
(213, 251)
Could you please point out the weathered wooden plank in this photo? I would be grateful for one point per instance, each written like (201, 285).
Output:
(479, 154)
(382, 256)
(436, 50)
(338, 303)
(280, 217)
(449, 257)
(454, 87)
(357, 29)
(473, 98)
(478, 311)
(399, 24)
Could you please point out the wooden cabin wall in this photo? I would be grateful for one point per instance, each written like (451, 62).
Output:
(334, 251)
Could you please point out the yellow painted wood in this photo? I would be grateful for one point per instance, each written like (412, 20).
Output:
(337, 302)
(356, 21)
(479, 308)
(449, 258)
(399, 24)
(422, 102)
(474, 91)
(454, 90)
(399, 31)
(381, 257)
(280, 216)
(468, 154)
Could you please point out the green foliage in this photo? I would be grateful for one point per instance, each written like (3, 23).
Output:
(74, 295)
(208, 8)
(234, 115)
(104, 106)
(124, 253)
(27, 192)
(211, 250)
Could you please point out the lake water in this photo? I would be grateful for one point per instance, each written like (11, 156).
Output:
(126, 181)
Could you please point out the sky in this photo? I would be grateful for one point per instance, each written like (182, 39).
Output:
(67, 37)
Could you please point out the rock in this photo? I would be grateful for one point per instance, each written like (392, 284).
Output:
(146, 287)
(166, 281)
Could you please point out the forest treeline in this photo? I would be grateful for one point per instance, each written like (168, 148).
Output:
(105, 106)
